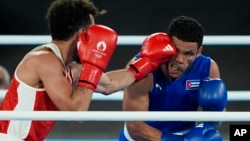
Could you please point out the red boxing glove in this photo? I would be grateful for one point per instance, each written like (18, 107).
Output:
(156, 49)
(95, 49)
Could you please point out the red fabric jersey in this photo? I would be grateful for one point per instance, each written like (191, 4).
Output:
(21, 97)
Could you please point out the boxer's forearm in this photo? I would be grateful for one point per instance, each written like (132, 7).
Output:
(113, 81)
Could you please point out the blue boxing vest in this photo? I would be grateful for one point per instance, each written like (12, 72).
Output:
(178, 95)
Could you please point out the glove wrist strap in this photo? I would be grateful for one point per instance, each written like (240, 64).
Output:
(140, 68)
(90, 76)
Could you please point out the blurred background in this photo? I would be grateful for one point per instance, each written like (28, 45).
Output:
(138, 17)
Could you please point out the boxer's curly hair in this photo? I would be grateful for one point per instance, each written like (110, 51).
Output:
(186, 29)
(65, 17)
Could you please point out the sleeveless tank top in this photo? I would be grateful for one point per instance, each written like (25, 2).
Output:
(178, 95)
(21, 97)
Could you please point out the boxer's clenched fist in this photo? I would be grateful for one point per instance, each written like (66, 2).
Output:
(96, 46)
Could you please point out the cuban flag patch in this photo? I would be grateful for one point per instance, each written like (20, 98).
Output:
(192, 84)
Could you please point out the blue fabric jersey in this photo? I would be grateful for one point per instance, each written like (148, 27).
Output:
(178, 95)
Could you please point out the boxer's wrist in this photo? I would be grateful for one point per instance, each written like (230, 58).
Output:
(90, 76)
(140, 68)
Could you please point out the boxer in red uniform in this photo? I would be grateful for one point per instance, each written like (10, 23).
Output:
(44, 79)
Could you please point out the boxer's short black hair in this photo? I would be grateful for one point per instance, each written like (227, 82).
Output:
(186, 29)
(65, 17)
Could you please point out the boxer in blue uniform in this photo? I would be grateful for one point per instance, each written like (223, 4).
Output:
(189, 80)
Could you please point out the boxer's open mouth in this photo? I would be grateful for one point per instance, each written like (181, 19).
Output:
(174, 67)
